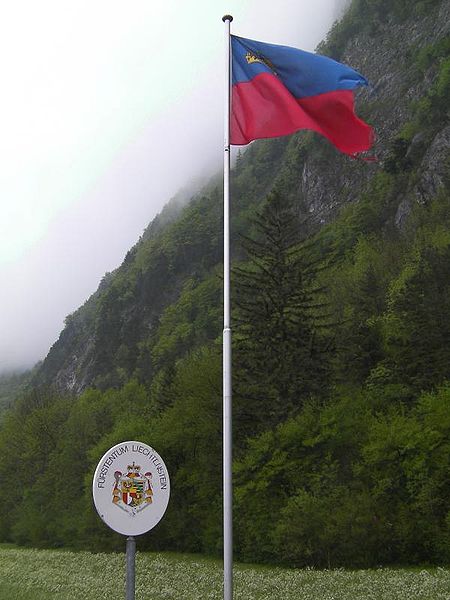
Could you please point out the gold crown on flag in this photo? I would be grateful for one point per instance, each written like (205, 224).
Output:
(253, 58)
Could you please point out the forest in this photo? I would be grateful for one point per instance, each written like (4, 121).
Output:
(341, 358)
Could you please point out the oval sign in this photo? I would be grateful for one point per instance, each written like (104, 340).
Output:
(131, 488)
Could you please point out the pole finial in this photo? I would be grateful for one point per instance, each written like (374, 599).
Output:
(227, 18)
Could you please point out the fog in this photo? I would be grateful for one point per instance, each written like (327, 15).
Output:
(101, 190)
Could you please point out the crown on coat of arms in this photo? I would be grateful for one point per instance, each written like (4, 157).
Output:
(134, 468)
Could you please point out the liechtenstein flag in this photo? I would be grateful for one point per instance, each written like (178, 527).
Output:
(277, 90)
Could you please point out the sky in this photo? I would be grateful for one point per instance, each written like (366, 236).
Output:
(107, 110)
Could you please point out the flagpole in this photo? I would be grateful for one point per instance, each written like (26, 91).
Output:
(227, 391)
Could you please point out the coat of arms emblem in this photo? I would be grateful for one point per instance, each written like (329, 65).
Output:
(132, 490)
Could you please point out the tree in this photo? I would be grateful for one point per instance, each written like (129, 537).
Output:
(416, 326)
(281, 317)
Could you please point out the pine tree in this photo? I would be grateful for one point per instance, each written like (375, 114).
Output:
(280, 346)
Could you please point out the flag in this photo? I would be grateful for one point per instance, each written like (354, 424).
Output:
(277, 90)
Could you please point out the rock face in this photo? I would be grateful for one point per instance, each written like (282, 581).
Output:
(106, 339)
(385, 57)
(433, 167)
(68, 365)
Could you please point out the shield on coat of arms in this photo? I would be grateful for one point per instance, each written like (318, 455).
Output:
(132, 489)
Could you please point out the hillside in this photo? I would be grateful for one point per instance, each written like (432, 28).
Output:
(110, 338)
(12, 385)
(341, 285)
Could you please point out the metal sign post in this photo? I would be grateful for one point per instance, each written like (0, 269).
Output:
(131, 490)
(131, 568)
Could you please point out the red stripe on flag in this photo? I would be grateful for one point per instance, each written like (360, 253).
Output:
(264, 108)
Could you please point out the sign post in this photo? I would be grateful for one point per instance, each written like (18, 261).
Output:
(131, 568)
(131, 490)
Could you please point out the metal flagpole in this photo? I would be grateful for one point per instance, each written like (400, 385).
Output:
(227, 392)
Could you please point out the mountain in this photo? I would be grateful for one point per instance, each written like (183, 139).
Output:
(107, 340)
(341, 347)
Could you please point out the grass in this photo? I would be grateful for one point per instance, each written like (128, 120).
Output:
(13, 592)
(27, 574)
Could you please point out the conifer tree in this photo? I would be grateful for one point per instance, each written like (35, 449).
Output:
(280, 318)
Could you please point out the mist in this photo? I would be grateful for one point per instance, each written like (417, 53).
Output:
(90, 233)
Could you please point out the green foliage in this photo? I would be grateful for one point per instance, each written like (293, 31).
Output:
(432, 110)
(12, 385)
(398, 159)
(29, 435)
(416, 326)
(359, 294)
(428, 55)
(344, 484)
(188, 435)
(190, 322)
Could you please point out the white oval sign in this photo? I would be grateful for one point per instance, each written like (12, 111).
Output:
(131, 488)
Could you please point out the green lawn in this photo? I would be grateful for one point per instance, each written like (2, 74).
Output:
(49, 574)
